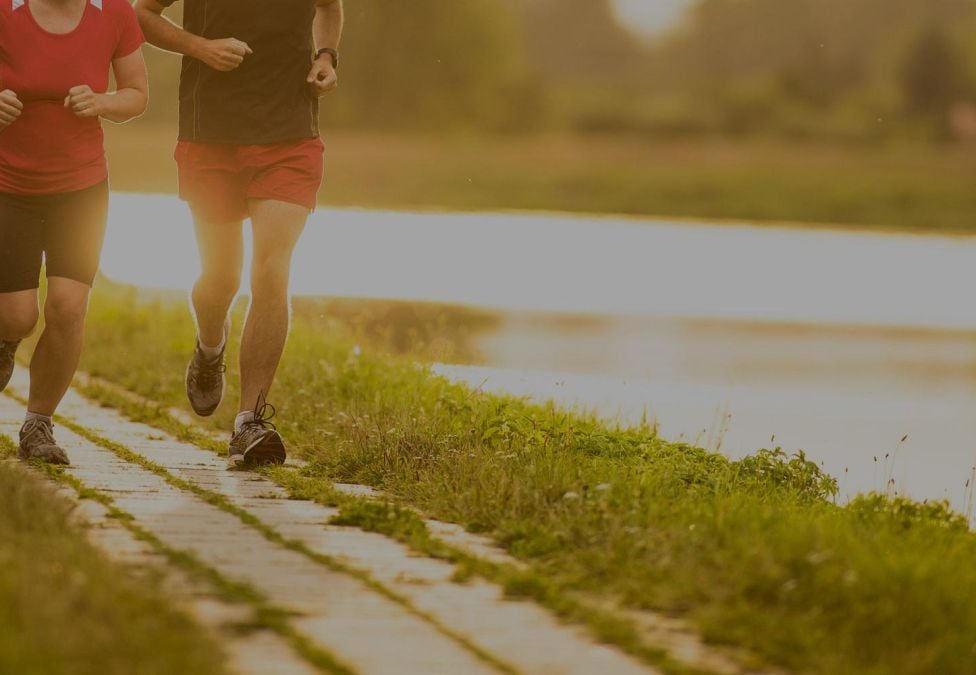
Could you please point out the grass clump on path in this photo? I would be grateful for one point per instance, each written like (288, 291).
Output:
(65, 609)
(755, 552)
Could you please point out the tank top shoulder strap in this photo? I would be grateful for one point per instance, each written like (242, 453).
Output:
(17, 4)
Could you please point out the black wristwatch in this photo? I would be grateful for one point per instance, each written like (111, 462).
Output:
(331, 52)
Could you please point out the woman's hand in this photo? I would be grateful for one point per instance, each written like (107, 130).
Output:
(10, 108)
(84, 102)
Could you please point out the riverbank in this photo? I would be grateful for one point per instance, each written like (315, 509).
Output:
(755, 552)
(920, 188)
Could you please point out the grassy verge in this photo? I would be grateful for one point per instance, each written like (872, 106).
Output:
(905, 187)
(65, 609)
(755, 552)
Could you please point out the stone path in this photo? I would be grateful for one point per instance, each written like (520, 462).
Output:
(366, 600)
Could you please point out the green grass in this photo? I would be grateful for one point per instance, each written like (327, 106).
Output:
(65, 609)
(908, 187)
(755, 552)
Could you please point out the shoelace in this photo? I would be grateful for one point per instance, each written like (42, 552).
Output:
(208, 373)
(263, 412)
(45, 431)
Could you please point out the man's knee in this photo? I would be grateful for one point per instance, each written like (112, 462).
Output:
(269, 274)
(221, 286)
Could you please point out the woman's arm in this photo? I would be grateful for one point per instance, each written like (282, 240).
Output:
(129, 99)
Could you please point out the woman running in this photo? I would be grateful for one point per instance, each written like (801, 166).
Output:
(55, 58)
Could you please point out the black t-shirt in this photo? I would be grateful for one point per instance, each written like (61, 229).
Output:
(266, 99)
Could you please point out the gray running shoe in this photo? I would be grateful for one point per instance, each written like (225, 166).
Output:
(37, 442)
(205, 379)
(258, 442)
(8, 354)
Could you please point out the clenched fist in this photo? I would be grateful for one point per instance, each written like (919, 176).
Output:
(223, 55)
(83, 101)
(322, 78)
(10, 108)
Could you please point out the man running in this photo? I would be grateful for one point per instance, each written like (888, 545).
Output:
(253, 71)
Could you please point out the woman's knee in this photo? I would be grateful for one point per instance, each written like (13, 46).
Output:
(18, 315)
(65, 311)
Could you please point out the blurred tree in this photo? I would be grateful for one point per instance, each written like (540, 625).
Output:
(429, 64)
(569, 41)
(932, 75)
(762, 63)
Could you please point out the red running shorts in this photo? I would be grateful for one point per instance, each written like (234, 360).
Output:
(218, 179)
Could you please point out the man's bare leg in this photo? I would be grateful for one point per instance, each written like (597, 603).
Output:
(277, 228)
(221, 247)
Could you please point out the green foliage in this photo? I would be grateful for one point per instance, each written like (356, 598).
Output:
(427, 64)
(820, 67)
(803, 478)
(814, 68)
(906, 514)
(932, 78)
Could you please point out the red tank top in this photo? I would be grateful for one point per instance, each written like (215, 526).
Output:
(49, 149)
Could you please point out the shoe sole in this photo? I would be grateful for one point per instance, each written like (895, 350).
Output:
(52, 461)
(270, 450)
(204, 412)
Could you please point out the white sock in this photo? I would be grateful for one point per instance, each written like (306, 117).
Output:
(211, 353)
(242, 419)
(39, 417)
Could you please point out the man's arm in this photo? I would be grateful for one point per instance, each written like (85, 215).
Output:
(224, 54)
(327, 31)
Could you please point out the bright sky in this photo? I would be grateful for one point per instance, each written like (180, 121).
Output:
(650, 16)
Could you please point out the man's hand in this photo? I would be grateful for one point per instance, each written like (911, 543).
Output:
(84, 102)
(10, 108)
(322, 78)
(223, 55)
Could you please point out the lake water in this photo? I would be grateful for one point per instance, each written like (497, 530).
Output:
(732, 336)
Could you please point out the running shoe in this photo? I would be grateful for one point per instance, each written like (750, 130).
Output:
(205, 379)
(37, 442)
(257, 442)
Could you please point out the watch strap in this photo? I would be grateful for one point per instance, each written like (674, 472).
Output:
(331, 52)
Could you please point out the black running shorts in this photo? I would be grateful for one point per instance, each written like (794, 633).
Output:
(65, 231)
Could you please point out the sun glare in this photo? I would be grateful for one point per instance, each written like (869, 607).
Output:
(649, 16)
